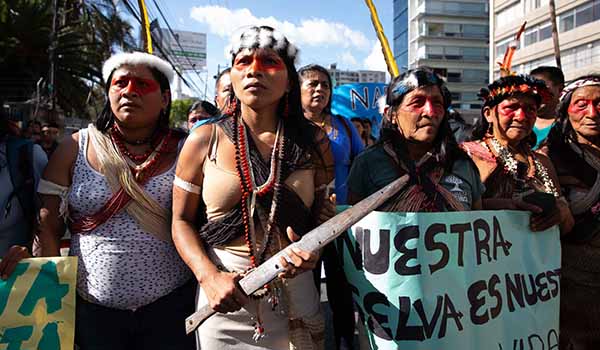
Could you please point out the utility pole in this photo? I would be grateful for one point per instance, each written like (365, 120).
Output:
(552, 7)
(52, 54)
(205, 84)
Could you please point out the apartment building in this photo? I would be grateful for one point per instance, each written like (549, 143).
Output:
(355, 76)
(578, 27)
(452, 38)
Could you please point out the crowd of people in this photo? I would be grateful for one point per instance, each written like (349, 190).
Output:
(164, 222)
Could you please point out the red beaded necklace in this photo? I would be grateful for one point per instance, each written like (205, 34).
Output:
(250, 190)
(150, 159)
(120, 141)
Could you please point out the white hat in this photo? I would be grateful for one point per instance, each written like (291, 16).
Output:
(137, 58)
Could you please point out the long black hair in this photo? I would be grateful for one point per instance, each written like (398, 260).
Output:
(444, 144)
(106, 119)
(317, 68)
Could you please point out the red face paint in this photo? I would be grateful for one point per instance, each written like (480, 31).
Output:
(429, 105)
(259, 62)
(583, 105)
(517, 111)
(128, 84)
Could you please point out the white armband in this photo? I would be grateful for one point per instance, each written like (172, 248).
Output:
(187, 186)
(54, 189)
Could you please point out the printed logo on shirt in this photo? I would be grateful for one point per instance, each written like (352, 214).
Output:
(458, 193)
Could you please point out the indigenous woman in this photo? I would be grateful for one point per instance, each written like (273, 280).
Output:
(515, 177)
(574, 148)
(113, 183)
(346, 144)
(257, 179)
(416, 140)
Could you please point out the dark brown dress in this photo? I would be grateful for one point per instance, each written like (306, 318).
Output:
(580, 282)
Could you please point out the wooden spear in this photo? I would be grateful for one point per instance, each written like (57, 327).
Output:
(552, 9)
(313, 241)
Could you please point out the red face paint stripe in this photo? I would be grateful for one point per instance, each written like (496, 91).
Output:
(260, 63)
(136, 85)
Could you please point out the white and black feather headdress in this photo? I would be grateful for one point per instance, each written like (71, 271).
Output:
(262, 37)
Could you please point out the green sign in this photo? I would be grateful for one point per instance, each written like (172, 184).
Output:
(464, 280)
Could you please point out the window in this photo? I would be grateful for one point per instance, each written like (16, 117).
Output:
(472, 8)
(401, 23)
(453, 53)
(584, 15)
(399, 6)
(452, 29)
(435, 29)
(402, 61)
(454, 77)
(579, 16)
(545, 32)
(435, 52)
(475, 53)
(531, 37)
(475, 31)
(567, 22)
(475, 76)
(537, 33)
(401, 42)
(475, 106)
(503, 44)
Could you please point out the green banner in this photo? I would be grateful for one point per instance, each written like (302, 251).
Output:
(37, 305)
(466, 280)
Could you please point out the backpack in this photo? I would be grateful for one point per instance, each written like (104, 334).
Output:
(19, 155)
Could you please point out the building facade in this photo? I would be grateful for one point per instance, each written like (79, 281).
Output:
(578, 32)
(359, 76)
(452, 38)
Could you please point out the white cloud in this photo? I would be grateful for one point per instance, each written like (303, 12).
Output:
(316, 32)
(375, 60)
(347, 60)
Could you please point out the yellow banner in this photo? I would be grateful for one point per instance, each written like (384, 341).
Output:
(37, 305)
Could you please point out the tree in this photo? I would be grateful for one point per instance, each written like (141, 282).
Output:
(179, 111)
(88, 32)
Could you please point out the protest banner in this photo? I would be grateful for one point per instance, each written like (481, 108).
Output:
(463, 280)
(37, 305)
(359, 101)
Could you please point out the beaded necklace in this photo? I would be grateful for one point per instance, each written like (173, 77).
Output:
(250, 189)
(120, 141)
(152, 138)
(507, 158)
(150, 159)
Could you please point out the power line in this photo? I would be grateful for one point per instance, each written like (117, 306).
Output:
(137, 16)
(178, 43)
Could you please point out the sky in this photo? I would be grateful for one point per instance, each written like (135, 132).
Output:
(325, 31)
